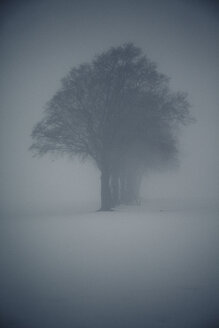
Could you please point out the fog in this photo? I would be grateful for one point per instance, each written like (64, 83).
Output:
(63, 264)
(41, 41)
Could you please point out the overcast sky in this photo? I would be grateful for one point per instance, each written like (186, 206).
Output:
(42, 40)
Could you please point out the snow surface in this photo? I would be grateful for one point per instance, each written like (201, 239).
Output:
(154, 265)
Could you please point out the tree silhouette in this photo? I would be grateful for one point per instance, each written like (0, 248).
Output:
(119, 111)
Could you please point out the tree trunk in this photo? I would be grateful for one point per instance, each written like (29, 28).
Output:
(130, 192)
(123, 188)
(106, 202)
(115, 189)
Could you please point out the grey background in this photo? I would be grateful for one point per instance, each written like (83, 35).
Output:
(42, 40)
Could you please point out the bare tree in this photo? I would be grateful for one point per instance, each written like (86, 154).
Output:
(119, 111)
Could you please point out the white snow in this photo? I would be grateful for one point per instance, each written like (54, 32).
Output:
(152, 266)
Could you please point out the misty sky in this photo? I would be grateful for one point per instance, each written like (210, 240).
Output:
(42, 40)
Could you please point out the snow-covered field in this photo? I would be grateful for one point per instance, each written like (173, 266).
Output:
(150, 266)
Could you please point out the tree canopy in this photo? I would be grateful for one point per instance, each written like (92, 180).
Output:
(119, 111)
